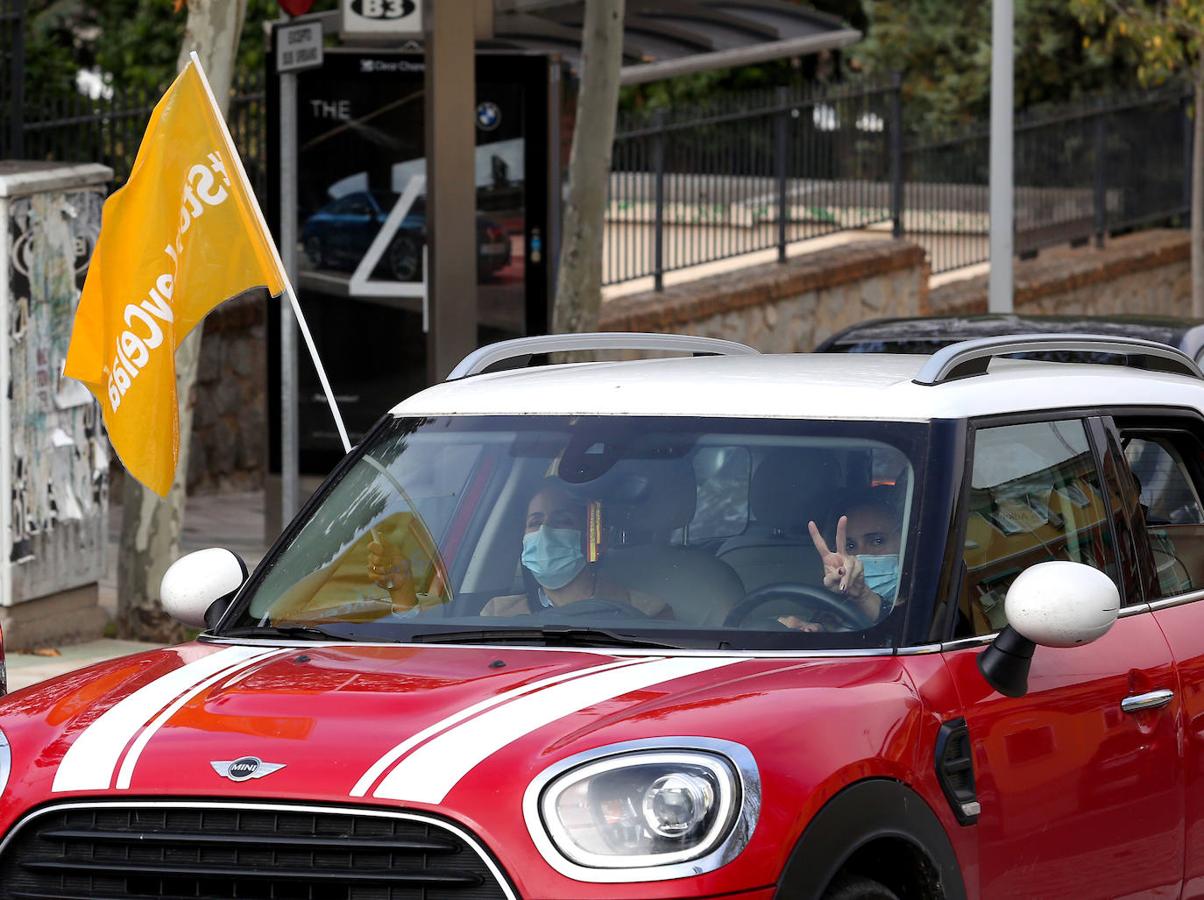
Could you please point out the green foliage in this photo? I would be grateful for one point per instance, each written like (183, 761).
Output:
(134, 42)
(1165, 37)
(943, 49)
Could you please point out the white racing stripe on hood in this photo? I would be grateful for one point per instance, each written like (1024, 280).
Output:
(378, 768)
(131, 758)
(429, 773)
(89, 763)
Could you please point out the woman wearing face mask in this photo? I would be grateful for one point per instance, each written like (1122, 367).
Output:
(863, 565)
(553, 552)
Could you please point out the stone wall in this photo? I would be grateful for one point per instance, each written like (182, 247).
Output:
(785, 307)
(229, 426)
(1148, 273)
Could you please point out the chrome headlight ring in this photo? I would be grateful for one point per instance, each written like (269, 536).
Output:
(737, 806)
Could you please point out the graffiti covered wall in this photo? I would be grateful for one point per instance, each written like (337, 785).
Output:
(58, 455)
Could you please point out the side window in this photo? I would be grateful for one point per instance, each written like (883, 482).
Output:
(1034, 496)
(1167, 494)
(1170, 503)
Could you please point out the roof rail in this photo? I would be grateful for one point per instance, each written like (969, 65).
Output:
(972, 357)
(490, 355)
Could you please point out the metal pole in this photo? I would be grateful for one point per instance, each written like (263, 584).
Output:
(17, 84)
(896, 154)
(290, 488)
(781, 140)
(1188, 131)
(999, 295)
(1100, 196)
(658, 233)
(451, 189)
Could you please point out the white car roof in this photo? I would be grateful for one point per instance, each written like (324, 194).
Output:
(798, 385)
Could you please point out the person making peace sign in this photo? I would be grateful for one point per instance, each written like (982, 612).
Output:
(863, 563)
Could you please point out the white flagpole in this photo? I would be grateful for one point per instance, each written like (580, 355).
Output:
(288, 285)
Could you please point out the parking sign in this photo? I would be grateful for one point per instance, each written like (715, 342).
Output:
(299, 47)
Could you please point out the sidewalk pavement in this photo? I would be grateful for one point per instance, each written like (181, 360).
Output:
(231, 520)
(25, 669)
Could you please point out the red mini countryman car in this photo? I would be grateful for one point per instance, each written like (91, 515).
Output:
(728, 625)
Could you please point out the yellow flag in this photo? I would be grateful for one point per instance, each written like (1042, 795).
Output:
(183, 235)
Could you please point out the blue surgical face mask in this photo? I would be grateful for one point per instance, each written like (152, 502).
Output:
(882, 574)
(553, 555)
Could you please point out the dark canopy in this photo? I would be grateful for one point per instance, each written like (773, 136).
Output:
(665, 38)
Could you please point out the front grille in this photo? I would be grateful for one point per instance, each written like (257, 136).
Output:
(248, 852)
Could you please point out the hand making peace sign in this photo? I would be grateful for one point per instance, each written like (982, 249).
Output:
(843, 572)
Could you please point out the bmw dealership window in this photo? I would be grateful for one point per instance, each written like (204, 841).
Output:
(362, 227)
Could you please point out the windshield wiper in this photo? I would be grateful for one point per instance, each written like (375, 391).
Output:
(551, 635)
(292, 632)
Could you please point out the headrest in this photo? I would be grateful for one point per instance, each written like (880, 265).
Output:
(793, 485)
(649, 499)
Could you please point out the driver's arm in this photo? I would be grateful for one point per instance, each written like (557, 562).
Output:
(391, 571)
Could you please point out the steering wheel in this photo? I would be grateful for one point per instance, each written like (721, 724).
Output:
(806, 596)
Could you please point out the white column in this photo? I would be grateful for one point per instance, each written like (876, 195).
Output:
(999, 296)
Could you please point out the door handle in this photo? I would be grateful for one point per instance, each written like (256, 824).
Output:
(1142, 702)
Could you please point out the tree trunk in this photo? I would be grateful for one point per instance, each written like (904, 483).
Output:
(579, 281)
(150, 527)
(1197, 198)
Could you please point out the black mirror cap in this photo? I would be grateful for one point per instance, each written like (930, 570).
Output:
(1004, 664)
(218, 607)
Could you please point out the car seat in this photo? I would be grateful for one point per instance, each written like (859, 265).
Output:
(789, 488)
(699, 589)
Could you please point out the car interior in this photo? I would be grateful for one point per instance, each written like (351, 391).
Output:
(1171, 504)
(702, 522)
(1034, 496)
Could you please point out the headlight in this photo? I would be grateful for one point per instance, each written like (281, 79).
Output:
(6, 762)
(645, 810)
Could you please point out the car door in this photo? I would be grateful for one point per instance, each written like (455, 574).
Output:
(1165, 452)
(1079, 797)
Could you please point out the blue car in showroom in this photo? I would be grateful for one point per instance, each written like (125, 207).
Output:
(338, 235)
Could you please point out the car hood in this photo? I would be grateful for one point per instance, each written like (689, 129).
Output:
(392, 723)
(459, 731)
(434, 726)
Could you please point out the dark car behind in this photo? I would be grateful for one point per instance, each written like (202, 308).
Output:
(927, 335)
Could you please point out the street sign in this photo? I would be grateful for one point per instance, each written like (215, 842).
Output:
(381, 18)
(299, 47)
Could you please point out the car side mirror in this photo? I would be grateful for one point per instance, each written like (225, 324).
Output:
(197, 588)
(1055, 604)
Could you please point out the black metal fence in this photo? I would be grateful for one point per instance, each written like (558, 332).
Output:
(109, 130)
(770, 170)
(755, 173)
(1081, 172)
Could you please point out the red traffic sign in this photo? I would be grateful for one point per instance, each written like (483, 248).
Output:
(295, 7)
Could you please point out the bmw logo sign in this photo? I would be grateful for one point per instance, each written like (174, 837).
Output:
(488, 116)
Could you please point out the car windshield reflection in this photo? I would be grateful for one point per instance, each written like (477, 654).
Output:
(603, 531)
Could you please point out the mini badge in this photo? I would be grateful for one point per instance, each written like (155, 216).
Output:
(245, 768)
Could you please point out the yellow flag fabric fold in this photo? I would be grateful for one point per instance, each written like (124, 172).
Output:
(182, 236)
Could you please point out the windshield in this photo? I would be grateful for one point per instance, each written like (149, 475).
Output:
(667, 531)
